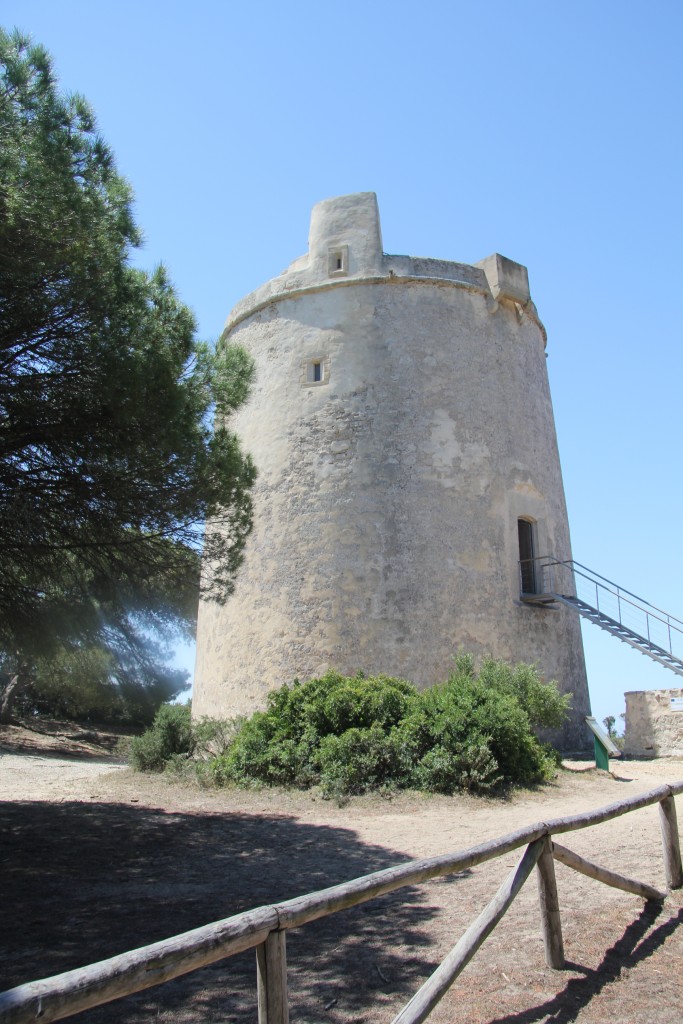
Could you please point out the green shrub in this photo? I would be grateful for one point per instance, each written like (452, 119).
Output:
(270, 752)
(359, 760)
(282, 745)
(466, 735)
(170, 734)
(214, 736)
(360, 703)
(542, 702)
(176, 744)
(473, 768)
(351, 735)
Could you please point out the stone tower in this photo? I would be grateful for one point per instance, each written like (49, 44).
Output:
(403, 432)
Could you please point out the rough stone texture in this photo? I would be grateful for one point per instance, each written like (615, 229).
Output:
(389, 491)
(652, 728)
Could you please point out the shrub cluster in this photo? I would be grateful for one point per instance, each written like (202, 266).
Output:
(351, 735)
(337, 731)
(175, 740)
(170, 736)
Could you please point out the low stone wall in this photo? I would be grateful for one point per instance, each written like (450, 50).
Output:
(654, 728)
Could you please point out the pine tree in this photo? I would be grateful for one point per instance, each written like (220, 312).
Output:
(109, 464)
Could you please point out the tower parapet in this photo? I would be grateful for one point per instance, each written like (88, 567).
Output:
(345, 247)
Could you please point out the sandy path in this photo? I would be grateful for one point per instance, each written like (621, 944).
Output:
(34, 777)
(417, 825)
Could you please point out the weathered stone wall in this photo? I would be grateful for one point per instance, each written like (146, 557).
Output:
(389, 490)
(653, 729)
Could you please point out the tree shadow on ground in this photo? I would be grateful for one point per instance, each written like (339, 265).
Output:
(83, 882)
(636, 944)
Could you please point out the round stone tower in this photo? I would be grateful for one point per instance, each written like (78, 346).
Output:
(403, 432)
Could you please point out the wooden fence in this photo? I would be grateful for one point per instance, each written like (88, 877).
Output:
(265, 928)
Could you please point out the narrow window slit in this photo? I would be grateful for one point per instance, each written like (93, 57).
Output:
(338, 260)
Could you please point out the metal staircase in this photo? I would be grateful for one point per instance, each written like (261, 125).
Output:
(631, 619)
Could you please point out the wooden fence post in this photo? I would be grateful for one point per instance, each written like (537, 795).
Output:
(551, 924)
(271, 970)
(425, 999)
(670, 843)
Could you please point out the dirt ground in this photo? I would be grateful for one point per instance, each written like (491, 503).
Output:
(96, 860)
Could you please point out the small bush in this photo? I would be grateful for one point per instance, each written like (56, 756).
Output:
(171, 734)
(214, 736)
(176, 744)
(267, 751)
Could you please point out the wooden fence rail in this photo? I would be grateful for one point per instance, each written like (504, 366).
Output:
(265, 927)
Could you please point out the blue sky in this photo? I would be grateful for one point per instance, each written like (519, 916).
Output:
(548, 132)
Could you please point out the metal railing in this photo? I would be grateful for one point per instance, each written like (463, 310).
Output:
(568, 578)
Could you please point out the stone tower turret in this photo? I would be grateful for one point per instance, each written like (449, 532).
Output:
(403, 432)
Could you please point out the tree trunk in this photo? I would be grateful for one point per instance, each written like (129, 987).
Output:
(16, 686)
